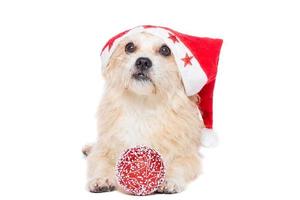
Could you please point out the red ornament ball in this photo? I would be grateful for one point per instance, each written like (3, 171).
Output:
(140, 170)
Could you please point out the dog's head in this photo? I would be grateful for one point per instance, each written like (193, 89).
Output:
(143, 64)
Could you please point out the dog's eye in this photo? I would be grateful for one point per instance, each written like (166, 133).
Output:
(130, 48)
(164, 50)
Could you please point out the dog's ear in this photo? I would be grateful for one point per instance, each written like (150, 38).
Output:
(113, 61)
(105, 69)
(194, 98)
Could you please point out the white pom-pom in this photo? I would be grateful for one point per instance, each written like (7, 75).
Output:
(209, 138)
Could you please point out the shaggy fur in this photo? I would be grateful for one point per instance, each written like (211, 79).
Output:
(155, 113)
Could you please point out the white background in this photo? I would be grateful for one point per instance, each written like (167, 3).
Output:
(50, 86)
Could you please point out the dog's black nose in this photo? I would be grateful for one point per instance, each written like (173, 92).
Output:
(143, 63)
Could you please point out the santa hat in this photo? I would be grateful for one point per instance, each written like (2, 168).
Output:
(197, 61)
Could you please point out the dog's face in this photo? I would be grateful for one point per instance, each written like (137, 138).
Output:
(143, 64)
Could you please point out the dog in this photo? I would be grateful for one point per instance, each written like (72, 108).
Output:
(145, 103)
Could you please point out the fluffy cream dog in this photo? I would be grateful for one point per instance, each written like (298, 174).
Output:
(145, 104)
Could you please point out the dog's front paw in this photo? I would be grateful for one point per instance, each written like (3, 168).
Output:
(98, 185)
(170, 187)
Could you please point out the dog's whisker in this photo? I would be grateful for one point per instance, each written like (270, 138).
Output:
(126, 85)
(154, 86)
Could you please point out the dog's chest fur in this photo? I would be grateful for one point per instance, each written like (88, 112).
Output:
(164, 124)
(138, 122)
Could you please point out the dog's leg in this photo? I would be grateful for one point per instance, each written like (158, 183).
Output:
(100, 173)
(179, 173)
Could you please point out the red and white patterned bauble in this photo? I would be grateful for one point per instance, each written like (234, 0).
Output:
(140, 170)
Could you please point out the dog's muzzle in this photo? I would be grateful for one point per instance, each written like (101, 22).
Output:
(142, 65)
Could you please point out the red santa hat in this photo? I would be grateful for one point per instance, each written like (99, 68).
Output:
(197, 61)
